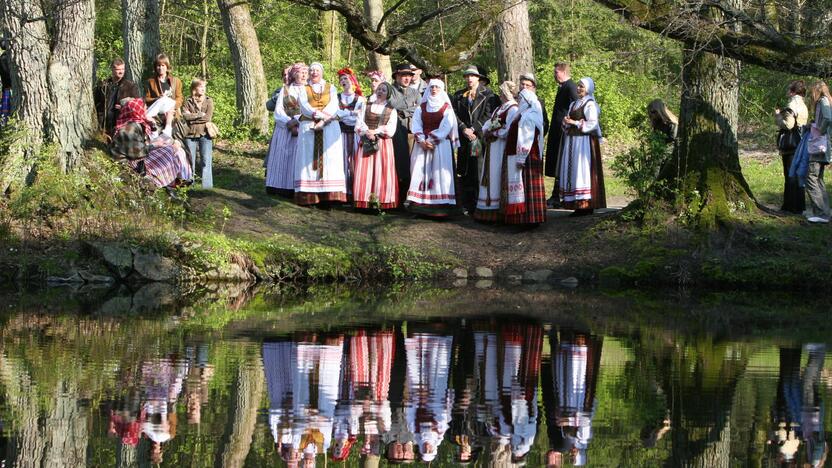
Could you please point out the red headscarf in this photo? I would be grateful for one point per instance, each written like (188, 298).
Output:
(134, 111)
(351, 75)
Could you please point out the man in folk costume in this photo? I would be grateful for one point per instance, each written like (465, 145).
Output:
(473, 106)
(405, 100)
(523, 162)
(319, 163)
(280, 161)
(566, 94)
(435, 128)
(351, 103)
(581, 172)
(495, 131)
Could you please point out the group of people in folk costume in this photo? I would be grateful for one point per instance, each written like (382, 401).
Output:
(384, 393)
(396, 147)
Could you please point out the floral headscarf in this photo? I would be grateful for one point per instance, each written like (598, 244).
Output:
(134, 111)
(292, 71)
(351, 75)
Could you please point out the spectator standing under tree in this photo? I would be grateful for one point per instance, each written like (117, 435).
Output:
(473, 107)
(108, 95)
(198, 112)
(790, 122)
(819, 154)
(567, 92)
(405, 100)
(662, 120)
(163, 85)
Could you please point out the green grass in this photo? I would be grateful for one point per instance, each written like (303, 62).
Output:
(765, 177)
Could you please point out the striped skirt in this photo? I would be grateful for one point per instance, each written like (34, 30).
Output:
(375, 184)
(280, 160)
(165, 165)
(535, 211)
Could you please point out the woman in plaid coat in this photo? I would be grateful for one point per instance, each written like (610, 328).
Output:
(523, 149)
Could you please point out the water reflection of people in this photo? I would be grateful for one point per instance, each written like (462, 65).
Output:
(569, 394)
(399, 441)
(199, 377)
(162, 380)
(468, 432)
(428, 410)
(303, 390)
(521, 348)
(798, 411)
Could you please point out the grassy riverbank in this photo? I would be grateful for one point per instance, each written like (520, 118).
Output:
(236, 232)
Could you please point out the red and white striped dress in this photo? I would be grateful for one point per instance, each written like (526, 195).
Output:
(375, 183)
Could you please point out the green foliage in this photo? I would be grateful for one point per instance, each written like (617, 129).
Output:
(640, 165)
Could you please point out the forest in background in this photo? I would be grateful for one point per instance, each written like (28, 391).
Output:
(631, 66)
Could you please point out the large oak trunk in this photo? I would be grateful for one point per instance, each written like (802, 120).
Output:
(52, 73)
(373, 10)
(513, 41)
(705, 170)
(140, 30)
(72, 116)
(248, 65)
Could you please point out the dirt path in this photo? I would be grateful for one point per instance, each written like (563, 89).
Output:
(255, 214)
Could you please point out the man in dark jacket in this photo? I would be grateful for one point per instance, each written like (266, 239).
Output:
(405, 100)
(567, 92)
(109, 93)
(473, 107)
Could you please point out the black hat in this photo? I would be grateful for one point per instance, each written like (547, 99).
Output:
(479, 71)
(403, 68)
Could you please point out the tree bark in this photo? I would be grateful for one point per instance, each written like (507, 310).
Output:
(51, 81)
(140, 30)
(513, 41)
(248, 65)
(331, 38)
(373, 9)
(203, 42)
(72, 116)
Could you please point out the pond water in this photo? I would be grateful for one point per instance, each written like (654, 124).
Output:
(338, 377)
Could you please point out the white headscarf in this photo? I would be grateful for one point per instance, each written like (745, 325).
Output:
(589, 85)
(317, 65)
(434, 103)
(530, 108)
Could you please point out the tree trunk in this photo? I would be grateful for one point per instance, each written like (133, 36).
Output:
(248, 66)
(51, 81)
(249, 392)
(705, 170)
(373, 9)
(331, 38)
(72, 116)
(203, 43)
(513, 41)
(140, 30)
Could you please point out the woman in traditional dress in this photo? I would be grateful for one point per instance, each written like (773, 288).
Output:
(164, 164)
(428, 376)
(434, 126)
(495, 131)
(375, 184)
(351, 104)
(280, 161)
(376, 78)
(581, 172)
(523, 165)
(319, 163)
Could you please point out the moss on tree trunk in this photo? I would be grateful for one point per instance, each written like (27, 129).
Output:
(704, 173)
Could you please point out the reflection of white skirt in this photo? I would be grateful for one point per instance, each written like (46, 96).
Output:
(432, 175)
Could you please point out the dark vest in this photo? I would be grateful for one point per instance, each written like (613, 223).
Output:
(432, 120)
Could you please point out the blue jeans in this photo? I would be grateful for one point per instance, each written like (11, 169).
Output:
(206, 150)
